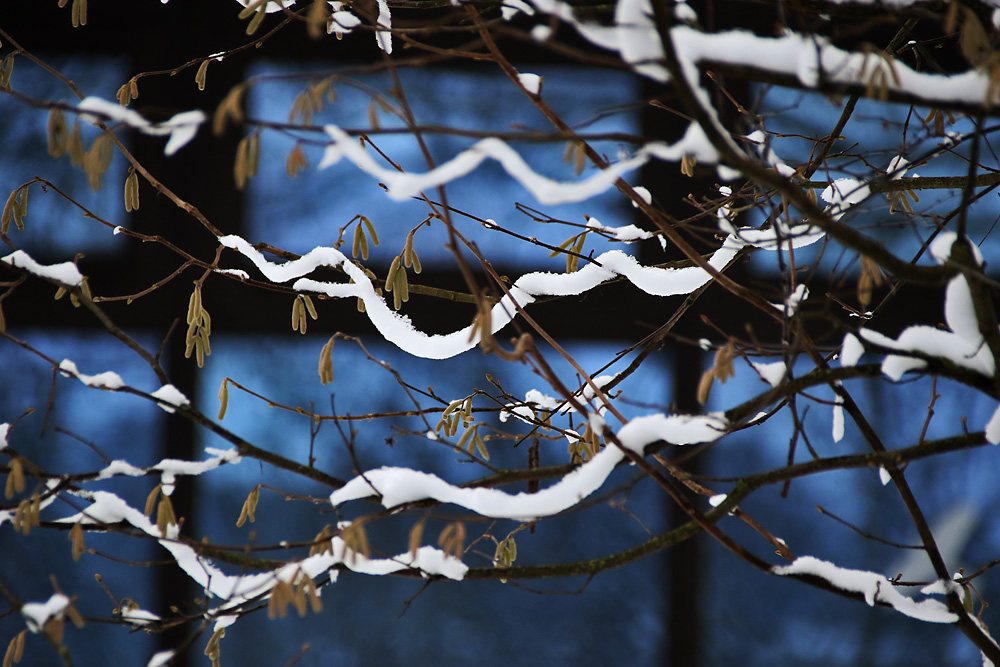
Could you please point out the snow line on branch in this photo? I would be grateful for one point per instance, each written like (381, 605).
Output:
(808, 58)
(398, 330)
(875, 587)
(399, 486)
(106, 380)
(394, 327)
(813, 60)
(37, 614)
(962, 344)
(181, 127)
(234, 590)
(65, 273)
(401, 185)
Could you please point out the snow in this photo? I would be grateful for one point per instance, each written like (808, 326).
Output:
(810, 59)
(643, 193)
(596, 422)
(764, 148)
(405, 185)
(399, 486)
(807, 57)
(224, 621)
(875, 587)
(652, 280)
(521, 412)
(717, 499)
(342, 22)
(963, 345)
(982, 628)
(65, 273)
(942, 587)
(402, 185)
(895, 366)
(179, 467)
(772, 373)
(851, 350)
(541, 32)
(120, 468)
(181, 127)
(394, 327)
(898, 166)
(684, 13)
(638, 39)
(694, 144)
(846, 192)
(382, 36)
(235, 590)
(625, 233)
(428, 560)
(798, 295)
(398, 330)
(960, 312)
(838, 418)
(531, 82)
(37, 614)
(940, 248)
(272, 5)
(170, 397)
(792, 301)
(110, 509)
(239, 273)
(4, 430)
(675, 429)
(138, 616)
(993, 428)
(106, 380)
(96, 110)
(600, 381)
(161, 658)
(543, 401)
(170, 468)
(779, 236)
(512, 8)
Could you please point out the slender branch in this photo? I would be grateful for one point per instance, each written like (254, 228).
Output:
(919, 183)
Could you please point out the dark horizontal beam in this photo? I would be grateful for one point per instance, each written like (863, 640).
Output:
(624, 313)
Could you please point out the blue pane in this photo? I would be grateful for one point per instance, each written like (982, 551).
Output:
(116, 426)
(853, 633)
(483, 101)
(361, 615)
(876, 130)
(121, 425)
(55, 226)
(284, 370)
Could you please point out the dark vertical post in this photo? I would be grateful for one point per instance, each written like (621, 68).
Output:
(668, 187)
(684, 560)
(202, 176)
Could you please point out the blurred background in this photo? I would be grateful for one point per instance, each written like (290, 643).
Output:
(692, 605)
